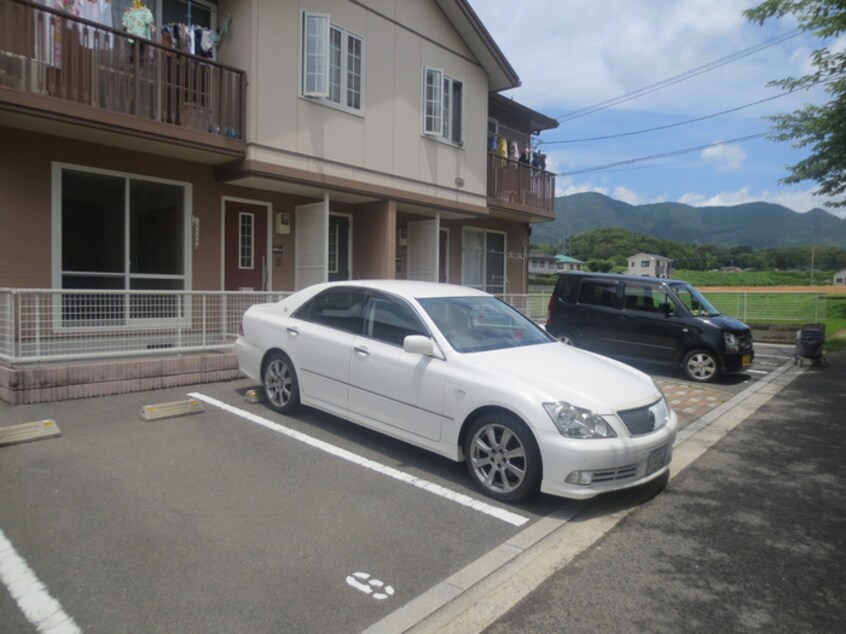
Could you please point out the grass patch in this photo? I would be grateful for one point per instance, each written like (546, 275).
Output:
(754, 278)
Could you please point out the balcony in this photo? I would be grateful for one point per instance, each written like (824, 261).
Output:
(73, 77)
(520, 187)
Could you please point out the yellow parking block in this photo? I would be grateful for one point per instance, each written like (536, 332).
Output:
(172, 409)
(27, 432)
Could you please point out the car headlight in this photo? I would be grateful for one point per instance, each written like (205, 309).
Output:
(575, 422)
(731, 342)
(660, 414)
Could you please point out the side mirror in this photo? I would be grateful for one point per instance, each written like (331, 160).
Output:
(418, 344)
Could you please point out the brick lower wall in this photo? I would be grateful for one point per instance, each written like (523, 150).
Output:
(27, 384)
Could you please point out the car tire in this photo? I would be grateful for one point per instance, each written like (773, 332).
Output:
(701, 366)
(281, 387)
(503, 457)
(566, 339)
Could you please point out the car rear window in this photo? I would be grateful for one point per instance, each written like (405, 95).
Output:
(337, 308)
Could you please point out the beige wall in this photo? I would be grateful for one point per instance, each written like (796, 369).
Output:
(385, 141)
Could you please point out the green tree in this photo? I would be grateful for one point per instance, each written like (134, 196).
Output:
(821, 128)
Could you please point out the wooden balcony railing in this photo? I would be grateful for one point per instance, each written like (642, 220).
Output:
(48, 52)
(520, 184)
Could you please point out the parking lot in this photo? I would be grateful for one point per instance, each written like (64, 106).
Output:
(240, 519)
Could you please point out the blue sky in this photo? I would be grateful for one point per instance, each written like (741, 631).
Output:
(573, 54)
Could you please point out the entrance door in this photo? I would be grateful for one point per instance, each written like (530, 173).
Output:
(339, 247)
(245, 246)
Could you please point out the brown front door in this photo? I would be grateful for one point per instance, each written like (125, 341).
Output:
(245, 246)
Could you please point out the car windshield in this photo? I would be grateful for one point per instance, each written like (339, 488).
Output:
(474, 324)
(694, 301)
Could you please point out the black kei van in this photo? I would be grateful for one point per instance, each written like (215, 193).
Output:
(648, 319)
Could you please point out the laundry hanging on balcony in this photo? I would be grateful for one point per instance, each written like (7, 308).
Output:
(191, 39)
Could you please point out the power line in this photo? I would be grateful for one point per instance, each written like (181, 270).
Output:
(599, 168)
(664, 127)
(681, 77)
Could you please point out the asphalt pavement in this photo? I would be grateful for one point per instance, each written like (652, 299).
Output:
(749, 537)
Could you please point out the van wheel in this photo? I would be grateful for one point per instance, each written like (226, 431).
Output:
(566, 339)
(701, 366)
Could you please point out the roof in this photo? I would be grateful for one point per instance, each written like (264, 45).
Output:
(650, 255)
(468, 25)
(566, 259)
(537, 121)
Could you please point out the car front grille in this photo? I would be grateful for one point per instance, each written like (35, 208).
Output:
(638, 421)
(744, 342)
(617, 473)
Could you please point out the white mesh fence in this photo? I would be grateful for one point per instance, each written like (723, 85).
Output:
(43, 325)
(40, 325)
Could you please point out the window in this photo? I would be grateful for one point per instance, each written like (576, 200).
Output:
(333, 248)
(483, 260)
(391, 321)
(443, 102)
(333, 63)
(120, 232)
(598, 293)
(246, 240)
(336, 308)
(643, 297)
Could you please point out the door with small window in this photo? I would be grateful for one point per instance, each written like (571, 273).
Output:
(339, 247)
(245, 246)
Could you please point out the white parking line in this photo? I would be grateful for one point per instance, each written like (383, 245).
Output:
(40, 609)
(431, 487)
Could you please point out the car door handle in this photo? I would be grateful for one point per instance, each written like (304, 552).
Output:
(293, 331)
(362, 350)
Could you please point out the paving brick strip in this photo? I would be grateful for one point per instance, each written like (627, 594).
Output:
(691, 402)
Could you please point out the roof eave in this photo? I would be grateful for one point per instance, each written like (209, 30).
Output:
(501, 74)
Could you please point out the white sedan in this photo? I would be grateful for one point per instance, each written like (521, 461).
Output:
(461, 373)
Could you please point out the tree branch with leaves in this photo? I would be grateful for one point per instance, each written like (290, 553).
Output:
(822, 129)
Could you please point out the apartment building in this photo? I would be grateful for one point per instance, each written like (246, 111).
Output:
(153, 150)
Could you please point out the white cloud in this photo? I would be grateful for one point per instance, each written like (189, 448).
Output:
(799, 201)
(729, 157)
(627, 196)
(576, 53)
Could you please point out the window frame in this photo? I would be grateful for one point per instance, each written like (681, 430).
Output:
(443, 118)
(127, 321)
(374, 298)
(246, 251)
(332, 76)
(484, 286)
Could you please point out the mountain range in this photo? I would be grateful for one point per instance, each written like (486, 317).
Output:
(758, 225)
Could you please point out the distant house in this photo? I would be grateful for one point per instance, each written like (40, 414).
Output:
(543, 264)
(566, 263)
(651, 265)
(840, 278)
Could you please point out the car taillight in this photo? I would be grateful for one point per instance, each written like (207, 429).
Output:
(549, 309)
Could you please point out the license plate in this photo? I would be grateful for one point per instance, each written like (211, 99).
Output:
(657, 458)
(746, 360)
